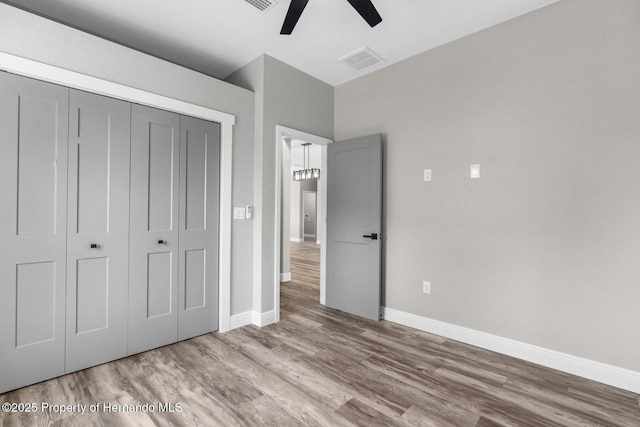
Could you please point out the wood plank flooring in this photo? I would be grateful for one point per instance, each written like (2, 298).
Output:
(321, 367)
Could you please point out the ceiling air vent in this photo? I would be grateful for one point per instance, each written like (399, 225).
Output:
(262, 5)
(361, 59)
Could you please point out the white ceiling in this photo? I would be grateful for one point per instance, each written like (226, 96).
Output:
(217, 37)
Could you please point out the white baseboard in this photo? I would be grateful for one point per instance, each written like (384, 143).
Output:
(597, 371)
(296, 239)
(285, 277)
(318, 242)
(252, 318)
(310, 235)
(241, 319)
(264, 319)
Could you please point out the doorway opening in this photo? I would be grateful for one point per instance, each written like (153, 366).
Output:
(288, 142)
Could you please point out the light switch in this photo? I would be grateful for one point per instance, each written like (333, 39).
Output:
(238, 213)
(475, 171)
(427, 175)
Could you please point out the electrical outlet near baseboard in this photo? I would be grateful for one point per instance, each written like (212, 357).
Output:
(426, 286)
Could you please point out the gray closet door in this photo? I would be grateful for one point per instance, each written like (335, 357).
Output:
(33, 232)
(98, 230)
(199, 213)
(153, 269)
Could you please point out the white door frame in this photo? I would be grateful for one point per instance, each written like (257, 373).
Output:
(283, 132)
(30, 68)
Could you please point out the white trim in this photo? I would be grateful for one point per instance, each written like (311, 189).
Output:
(597, 371)
(61, 76)
(323, 230)
(309, 235)
(281, 133)
(318, 242)
(72, 79)
(296, 239)
(252, 317)
(241, 319)
(285, 277)
(226, 209)
(264, 319)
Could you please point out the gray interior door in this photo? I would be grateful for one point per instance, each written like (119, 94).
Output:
(309, 213)
(354, 226)
(98, 230)
(33, 230)
(153, 268)
(199, 224)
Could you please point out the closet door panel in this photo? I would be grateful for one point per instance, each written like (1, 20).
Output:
(33, 172)
(153, 291)
(199, 213)
(195, 284)
(160, 285)
(35, 308)
(92, 294)
(98, 230)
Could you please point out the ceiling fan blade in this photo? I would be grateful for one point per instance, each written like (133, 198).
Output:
(367, 10)
(293, 14)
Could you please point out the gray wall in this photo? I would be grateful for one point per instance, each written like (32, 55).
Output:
(36, 38)
(545, 247)
(251, 77)
(289, 98)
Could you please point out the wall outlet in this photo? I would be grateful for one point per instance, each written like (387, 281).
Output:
(426, 286)
(474, 171)
(427, 175)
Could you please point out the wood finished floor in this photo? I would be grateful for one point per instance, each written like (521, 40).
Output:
(323, 367)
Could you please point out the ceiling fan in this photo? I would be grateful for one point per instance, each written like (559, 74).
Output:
(364, 7)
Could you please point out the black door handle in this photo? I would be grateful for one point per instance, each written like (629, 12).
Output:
(372, 236)
(161, 242)
(94, 246)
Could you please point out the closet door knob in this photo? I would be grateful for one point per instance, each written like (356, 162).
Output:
(94, 246)
(161, 242)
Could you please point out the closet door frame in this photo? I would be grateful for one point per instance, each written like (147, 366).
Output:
(30, 68)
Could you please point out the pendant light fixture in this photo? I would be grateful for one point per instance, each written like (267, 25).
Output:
(306, 174)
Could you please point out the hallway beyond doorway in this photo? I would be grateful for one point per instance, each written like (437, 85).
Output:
(304, 287)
